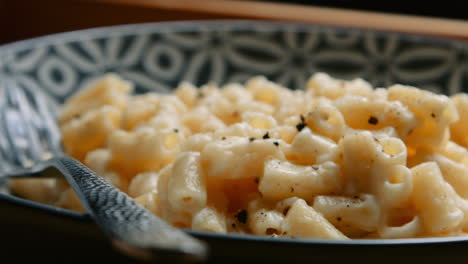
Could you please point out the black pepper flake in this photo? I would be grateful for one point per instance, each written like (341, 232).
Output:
(223, 138)
(292, 189)
(373, 120)
(271, 231)
(276, 143)
(355, 196)
(76, 116)
(266, 136)
(176, 130)
(338, 219)
(315, 167)
(200, 94)
(257, 180)
(233, 225)
(251, 139)
(347, 205)
(302, 118)
(300, 126)
(433, 115)
(241, 216)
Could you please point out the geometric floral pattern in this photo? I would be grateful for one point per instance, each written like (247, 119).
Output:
(157, 56)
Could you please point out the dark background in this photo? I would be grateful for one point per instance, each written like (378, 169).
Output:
(436, 8)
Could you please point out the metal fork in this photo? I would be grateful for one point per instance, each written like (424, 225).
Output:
(30, 146)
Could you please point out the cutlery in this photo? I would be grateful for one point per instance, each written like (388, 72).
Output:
(30, 147)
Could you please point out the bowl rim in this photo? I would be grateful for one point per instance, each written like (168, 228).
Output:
(206, 26)
(187, 25)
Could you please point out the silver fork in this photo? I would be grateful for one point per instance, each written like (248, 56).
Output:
(30, 146)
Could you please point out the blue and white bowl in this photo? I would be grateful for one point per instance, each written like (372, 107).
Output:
(157, 56)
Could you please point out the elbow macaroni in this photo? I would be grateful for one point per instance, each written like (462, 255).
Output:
(338, 160)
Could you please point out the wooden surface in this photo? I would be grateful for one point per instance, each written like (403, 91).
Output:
(20, 19)
(312, 14)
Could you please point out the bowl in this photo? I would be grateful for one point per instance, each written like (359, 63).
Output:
(157, 56)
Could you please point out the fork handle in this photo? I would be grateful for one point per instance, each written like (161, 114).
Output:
(131, 227)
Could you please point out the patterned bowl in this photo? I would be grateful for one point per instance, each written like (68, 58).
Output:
(157, 56)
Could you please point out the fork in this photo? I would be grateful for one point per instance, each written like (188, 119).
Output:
(30, 147)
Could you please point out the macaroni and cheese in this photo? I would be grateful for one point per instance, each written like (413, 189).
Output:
(337, 160)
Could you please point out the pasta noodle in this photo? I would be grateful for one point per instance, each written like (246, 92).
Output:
(337, 160)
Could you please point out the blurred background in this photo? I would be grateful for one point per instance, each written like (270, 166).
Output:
(20, 19)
